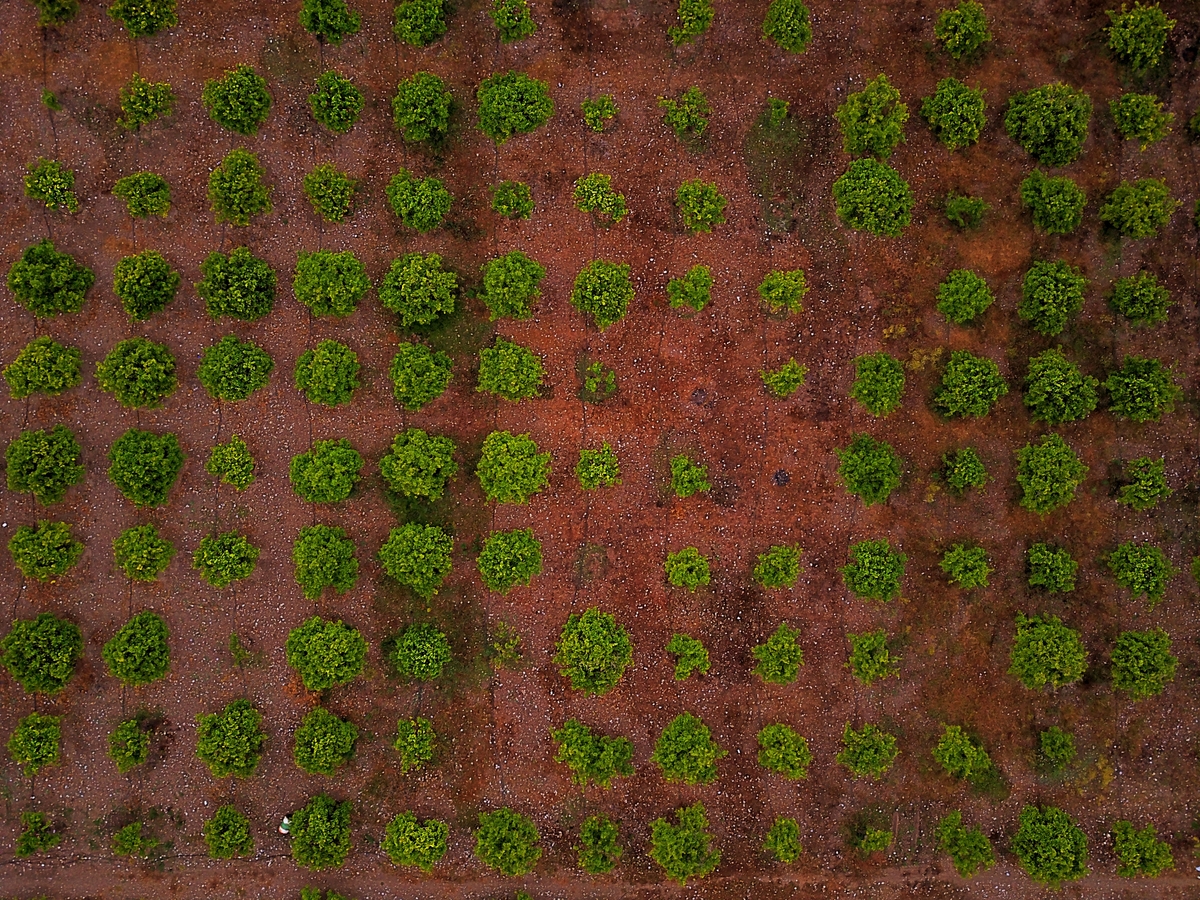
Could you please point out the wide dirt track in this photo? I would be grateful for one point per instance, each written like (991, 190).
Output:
(687, 384)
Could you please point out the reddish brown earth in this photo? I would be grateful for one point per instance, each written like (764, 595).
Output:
(685, 384)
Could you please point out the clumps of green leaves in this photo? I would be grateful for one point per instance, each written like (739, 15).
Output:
(869, 468)
(962, 755)
(38, 835)
(867, 752)
(145, 283)
(336, 103)
(240, 285)
(512, 199)
(701, 205)
(44, 463)
(507, 841)
(598, 468)
(49, 283)
(782, 292)
(963, 297)
(1141, 568)
(230, 742)
(971, 385)
(968, 848)
(1140, 852)
(594, 193)
(592, 758)
(326, 473)
(1056, 391)
(690, 656)
(1139, 209)
(44, 552)
(52, 13)
(420, 22)
(598, 381)
(326, 653)
(238, 100)
(509, 558)
(1051, 568)
(418, 290)
(414, 742)
(786, 380)
(965, 212)
(421, 652)
(780, 657)
(510, 468)
(783, 840)
(419, 375)
(687, 116)
(34, 743)
(50, 182)
(1137, 37)
(224, 557)
(874, 571)
(962, 30)
(330, 191)
(43, 366)
(510, 285)
(328, 374)
(1146, 483)
(513, 20)
(1141, 390)
(966, 565)
(687, 568)
(1057, 203)
(143, 18)
(144, 102)
(1048, 473)
(599, 845)
(410, 842)
(138, 373)
(685, 751)
(129, 743)
(1051, 294)
(141, 553)
(144, 466)
(419, 464)
(871, 196)
(510, 371)
(1141, 299)
(963, 469)
(603, 291)
(41, 653)
(227, 833)
(599, 111)
(329, 21)
(138, 653)
(954, 113)
(593, 651)
(1142, 664)
(133, 842)
(233, 370)
(232, 463)
(693, 290)
(688, 477)
(788, 24)
(1046, 653)
(779, 567)
(872, 120)
(421, 109)
(321, 833)
(421, 203)
(870, 657)
(324, 557)
(418, 556)
(1050, 122)
(1050, 846)
(684, 850)
(694, 18)
(782, 750)
(511, 104)
(324, 742)
(330, 283)
(145, 194)
(1141, 117)
(1056, 749)
(878, 382)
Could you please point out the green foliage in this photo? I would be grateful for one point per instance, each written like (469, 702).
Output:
(232, 463)
(510, 469)
(1140, 852)
(1141, 116)
(599, 111)
(779, 567)
(138, 653)
(512, 199)
(603, 291)
(326, 653)
(594, 193)
(1046, 653)
(144, 466)
(138, 373)
(420, 22)
(421, 203)
(238, 100)
(230, 742)
(49, 283)
(783, 841)
(694, 18)
(787, 24)
(591, 757)
(1051, 568)
(130, 841)
(1056, 391)
(509, 558)
(504, 646)
(227, 833)
(509, 370)
(239, 285)
(421, 108)
(871, 196)
(53, 184)
(421, 652)
(872, 120)
(337, 102)
(507, 842)
(598, 468)
(41, 653)
(513, 20)
(869, 468)
(684, 850)
(954, 113)
(419, 375)
(878, 382)
(329, 21)
(46, 551)
(141, 553)
(510, 285)
(145, 194)
(418, 556)
(874, 571)
(963, 469)
(599, 845)
(687, 568)
(1050, 846)
(330, 191)
(599, 381)
(783, 292)
(870, 658)
(44, 366)
(419, 464)
(690, 656)
(1142, 663)
(1050, 122)
(786, 380)
(324, 557)
(225, 557)
(1138, 37)
(324, 742)
(44, 463)
(687, 477)
(968, 848)
(971, 385)
(686, 752)
(1051, 294)
(327, 473)
(963, 297)
(701, 205)
(1139, 209)
(321, 833)
(513, 103)
(782, 750)
(1147, 483)
(143, 18)
(867, 839)
(593, 651)
(330, 283)
(328, 374)
(33, 745)
(963, 211)
(37, 835)
(52, 13)
(145, 284)
(1057, 203)
(780, 658)
(409, 842)
(693, 290)
(962, 30)
(417, 290)
(687, 116)
(233, 370)
(1143, 569)
(870, 751)
(414, 743)
(1141, 390)
(1141, 299)
(1056, 749)
(143, 102)
(961, 754)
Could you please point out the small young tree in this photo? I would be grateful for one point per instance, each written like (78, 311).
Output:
(511, 104)
(330, 283)
(783, 841)
(593, 651)
(1049, 122)
(870, 657)
(780, 657)
(510, 468)
(43, 366)
(145, 283)
(1051, 568)
(419, 464)
(1057, 203)
(510, 285)
(420, 22)
(507, 841)
(1140, 852)
(701, 205)
(41, 653)
(788, 24)
(513, 20)
(599, 845)
(687, 116)
(326, 653)
(688, 478)
(786, 380)
(329, 21)
(872, 120)
(421, 203)
(685, 850)
(965, 212)
(961, 754)
(51, 183)
(1142, 664)
(138, 653)
(1139, 209)
(685, 751)
(239, 285)
(594, 194)
(44, 552)
(1142, 568)
(869, 468)
(1056, 749)
(233, 370)
(1141, 300)
(509, 371)
(321, 833)
(963, 297)
(1146, 483)
(145, 194)
(330, 191)
(418, 290)
(962, 30)
(512, 199)
(967, 566)
(418, 556)
(227, 833)
(1050, 846)
(327, 473)
(236, 190)
(324, 742)
(779, 567)
(34, 743)
(603, 291)
(1048, 473)
(1138, 37)
(232, 463)
(874, 571)
(591, 757)
(509, 558)
(783, 292)
(410, 842)
(144, 466)
(324, 557)
(52, 13)
(782, 750)
(328, 374)
(37, 835)
(129, 744)
(954, 113)
(871, 196)
(336, 103)
(599, 382)
(867, 752)
(230, 742)
(414, 742)
(963, 469)
(225, 557)
(49, 283)
(598, 112)
(1141, 117)
(131, 841)
(693, 290)
(1141, 390)
(44, 463)
(1056, 391)
(238, 100)
(687, 568)
(694, 18)
(690, 656)
(1051, 294)
(143, 18)
(138, 373)
(968, 848)
(1046, 653)
(598, 468)
(878, 382)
